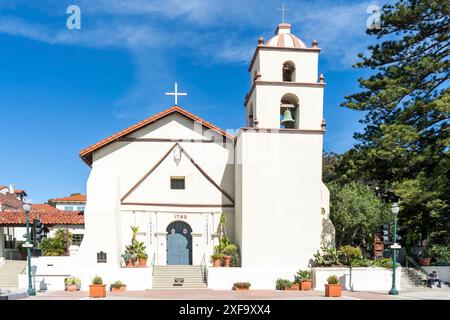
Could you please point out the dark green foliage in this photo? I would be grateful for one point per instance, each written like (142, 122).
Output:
(357, 214)
(57, 245)
(403, 152)
(282, 284)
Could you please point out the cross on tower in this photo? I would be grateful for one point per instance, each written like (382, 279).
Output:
(283, 9)
(176, 94)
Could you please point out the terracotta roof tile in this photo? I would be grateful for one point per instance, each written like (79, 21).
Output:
(10, 201)
(86, 154)
(72, 198)
(46, 215)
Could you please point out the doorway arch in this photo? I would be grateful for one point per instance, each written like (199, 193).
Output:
(179, 243)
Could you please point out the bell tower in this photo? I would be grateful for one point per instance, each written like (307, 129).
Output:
(284, 83)
(281, 204)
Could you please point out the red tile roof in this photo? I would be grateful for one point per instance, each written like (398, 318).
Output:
(86, 154)
(10, 201)
(72, 198)
(47, 214)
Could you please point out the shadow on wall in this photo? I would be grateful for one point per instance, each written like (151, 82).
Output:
(328, 235)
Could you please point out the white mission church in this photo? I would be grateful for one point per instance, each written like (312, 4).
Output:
(174, 174)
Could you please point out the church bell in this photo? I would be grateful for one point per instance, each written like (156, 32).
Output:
(288, 121)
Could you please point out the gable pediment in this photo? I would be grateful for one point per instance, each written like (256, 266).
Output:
(154, 186)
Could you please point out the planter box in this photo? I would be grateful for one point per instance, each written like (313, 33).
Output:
(123, 288)
(424, 261)
(97, 290)
(240, 289)
(333, 290)
(306, 285)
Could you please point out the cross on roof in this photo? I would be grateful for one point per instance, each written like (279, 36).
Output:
(283, 9)
(176, 94)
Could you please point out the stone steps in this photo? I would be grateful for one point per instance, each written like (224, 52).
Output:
(9, 273)
(164, 277)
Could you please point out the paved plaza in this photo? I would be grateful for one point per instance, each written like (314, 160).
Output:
(206, 294)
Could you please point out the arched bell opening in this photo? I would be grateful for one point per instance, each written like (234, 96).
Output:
(289, 111)
(289, 71)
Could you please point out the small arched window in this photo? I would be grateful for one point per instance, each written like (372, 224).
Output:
(250, 116)
(289, 71)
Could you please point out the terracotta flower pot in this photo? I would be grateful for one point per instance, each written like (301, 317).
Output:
(294, 286)
(97, 290)
(424, 261)
(122, 288)
(129, 264)
(333, 290)
(241, 289)
(217, 263)
(71, 288)
(306, 285)
(142, 262)
(227, 260)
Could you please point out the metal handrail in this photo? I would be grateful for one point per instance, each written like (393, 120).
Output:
(416, 266)
(153, 263)
(203, 268)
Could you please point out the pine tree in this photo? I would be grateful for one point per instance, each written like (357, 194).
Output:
(403, 152)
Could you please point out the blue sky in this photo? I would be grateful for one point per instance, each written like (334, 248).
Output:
(62, 90)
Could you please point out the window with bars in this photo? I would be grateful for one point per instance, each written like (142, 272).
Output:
(77, 238)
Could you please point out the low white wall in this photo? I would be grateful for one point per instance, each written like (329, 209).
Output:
(2, 261)
(49, 273)
(224, 278)
(442, 272)
(358, 279)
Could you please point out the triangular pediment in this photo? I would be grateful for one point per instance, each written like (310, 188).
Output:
(154, 187)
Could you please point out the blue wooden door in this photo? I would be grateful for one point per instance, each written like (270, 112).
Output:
(179, 243)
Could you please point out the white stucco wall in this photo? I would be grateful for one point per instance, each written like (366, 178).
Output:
(358, 279)
(281, 198)
(119, 166)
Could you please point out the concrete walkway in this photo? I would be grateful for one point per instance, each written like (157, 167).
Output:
(206, 294)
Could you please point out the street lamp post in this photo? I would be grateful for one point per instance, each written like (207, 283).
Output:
(395, 209)
(27, 208)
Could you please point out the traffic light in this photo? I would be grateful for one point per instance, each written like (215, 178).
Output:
(385, 232)
(39, 233)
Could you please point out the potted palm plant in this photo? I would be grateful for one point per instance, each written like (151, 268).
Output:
(305, 279)
(97, 289)
(117, 286)
(333, 288)
(141, 254)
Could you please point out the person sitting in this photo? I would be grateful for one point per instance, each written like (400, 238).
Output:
(433, 278)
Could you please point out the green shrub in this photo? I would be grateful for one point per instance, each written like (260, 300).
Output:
(333, 279)
(384, 263)
(440, 253)
(328, 257)
(363, 262)
(347, 254)
(282, 284)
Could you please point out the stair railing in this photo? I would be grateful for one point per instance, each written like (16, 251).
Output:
(153, 263)
(204, 269)
(410, 263)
